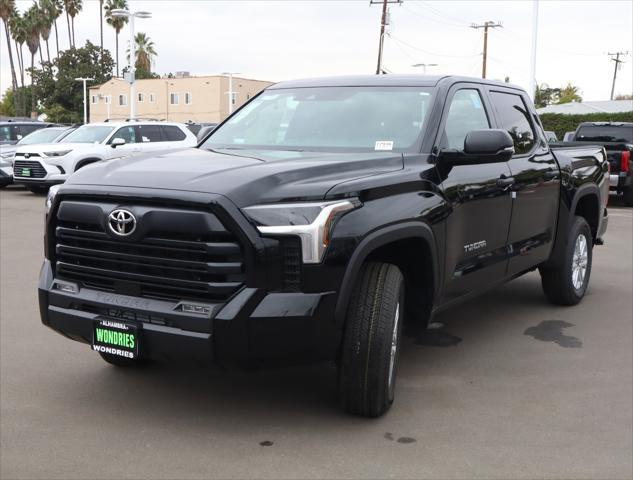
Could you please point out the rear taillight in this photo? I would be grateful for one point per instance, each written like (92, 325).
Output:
(624, 161)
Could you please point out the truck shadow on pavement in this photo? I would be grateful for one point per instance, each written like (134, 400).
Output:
(194, 394)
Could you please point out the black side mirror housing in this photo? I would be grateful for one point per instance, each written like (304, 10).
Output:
(483, 146)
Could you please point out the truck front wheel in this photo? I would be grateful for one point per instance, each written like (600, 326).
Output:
(371, 343)
(566, 283)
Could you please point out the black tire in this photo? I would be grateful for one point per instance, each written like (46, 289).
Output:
(118, 361)
(558, 281)
(627, 196)
(37, 189)
(373, 324)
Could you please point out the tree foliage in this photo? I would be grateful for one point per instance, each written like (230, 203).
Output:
(561, 123)
(18, 104)
(546, 95)
(55, 82)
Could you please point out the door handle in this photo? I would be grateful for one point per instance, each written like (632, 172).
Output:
(550, 175)
(505, 182)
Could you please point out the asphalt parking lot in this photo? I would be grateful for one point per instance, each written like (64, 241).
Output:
(512, 387)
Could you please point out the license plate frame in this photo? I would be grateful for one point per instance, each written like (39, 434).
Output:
(116, 337)
(25, 172)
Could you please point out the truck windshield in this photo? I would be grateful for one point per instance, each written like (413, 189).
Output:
(88, 134)
(605, 133)
(354, 119)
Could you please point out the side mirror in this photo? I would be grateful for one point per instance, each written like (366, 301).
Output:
(483, 146)
(117, 142)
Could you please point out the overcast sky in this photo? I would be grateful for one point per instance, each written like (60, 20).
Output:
(278, 40)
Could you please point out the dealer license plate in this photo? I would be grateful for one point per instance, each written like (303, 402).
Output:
(26, 172)
(116, 338)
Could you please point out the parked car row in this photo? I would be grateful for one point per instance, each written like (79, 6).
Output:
(49, 156)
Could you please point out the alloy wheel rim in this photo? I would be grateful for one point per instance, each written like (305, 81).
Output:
(394, 348)
(579, 262)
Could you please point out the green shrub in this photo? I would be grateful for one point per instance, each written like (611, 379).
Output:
(561, 123)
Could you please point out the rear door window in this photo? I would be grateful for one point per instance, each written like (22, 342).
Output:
(514, 117)
(150, 133)
(172, 133)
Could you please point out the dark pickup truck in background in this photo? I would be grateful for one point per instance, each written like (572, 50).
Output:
(315, 221)
(617, 139)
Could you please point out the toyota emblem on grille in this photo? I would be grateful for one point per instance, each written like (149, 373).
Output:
(122, 222)
(27, 155)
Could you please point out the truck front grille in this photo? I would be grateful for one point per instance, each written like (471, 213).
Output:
(166, 263)
(28, 169)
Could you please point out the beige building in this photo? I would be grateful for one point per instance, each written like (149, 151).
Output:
(181, 99)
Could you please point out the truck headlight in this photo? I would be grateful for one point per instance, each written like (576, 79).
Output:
(50, 197)
(312, 222)
(57, 154)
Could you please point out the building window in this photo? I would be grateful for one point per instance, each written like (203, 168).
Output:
(94, 99)
(151, 98)
(173, 98)
(188, 98)
(122, 100)
(141, 97)
(106, 99)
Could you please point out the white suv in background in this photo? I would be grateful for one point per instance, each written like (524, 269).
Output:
(40, 166)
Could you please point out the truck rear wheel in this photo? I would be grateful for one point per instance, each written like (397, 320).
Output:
(371, 343)
(567, 283)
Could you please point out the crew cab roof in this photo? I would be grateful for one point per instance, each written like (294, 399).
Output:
(383, 81)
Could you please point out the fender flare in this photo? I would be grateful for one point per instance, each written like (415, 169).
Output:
(583, 191)
(565, 217)
(373, 241)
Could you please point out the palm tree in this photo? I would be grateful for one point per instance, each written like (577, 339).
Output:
(32, 27)
(73, 7)
(6, 10)
(116, 22)
(18, 31)
(144, 54)
(56, 9)
(70, 37)
(46, 23)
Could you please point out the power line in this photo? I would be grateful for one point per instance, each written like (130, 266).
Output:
(616, 68)
(428, 52)
(485, 26)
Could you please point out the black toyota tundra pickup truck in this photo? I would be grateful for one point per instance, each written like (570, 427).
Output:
(317, 220)
(617, 139)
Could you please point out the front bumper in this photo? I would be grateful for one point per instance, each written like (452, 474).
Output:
(254, 327)
(51, 174)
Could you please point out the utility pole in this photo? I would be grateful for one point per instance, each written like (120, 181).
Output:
(615, 69)
(383, 23)
(485, 26)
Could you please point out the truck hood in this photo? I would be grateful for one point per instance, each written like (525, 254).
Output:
(247, 177)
